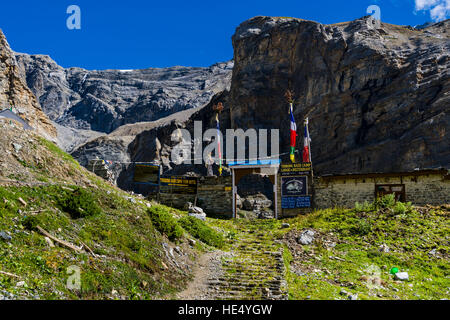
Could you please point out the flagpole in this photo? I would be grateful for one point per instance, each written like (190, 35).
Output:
(309, 146)
(293, 126)
(219, 108)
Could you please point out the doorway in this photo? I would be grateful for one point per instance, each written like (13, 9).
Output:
(267, 169)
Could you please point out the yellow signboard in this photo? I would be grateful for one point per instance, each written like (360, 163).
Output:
(293, 169)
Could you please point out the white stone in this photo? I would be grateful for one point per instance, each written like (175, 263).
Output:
(402, 276)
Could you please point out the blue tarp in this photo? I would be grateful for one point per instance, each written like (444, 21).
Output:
(271, 162)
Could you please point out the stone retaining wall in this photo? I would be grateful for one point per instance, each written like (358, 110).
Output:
(214, 195)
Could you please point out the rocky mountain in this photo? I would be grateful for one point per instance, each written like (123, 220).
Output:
(15, 93)
(105, 100)
(377, 99)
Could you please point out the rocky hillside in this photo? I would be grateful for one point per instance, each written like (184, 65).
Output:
(105, 100)
(57, 218)
(15, 93)
(377, 99)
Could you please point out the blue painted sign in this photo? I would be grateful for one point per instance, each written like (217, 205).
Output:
(295, 202)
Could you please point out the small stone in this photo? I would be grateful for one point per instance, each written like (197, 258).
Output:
(49, 242)
(285, 226)
(353, 297)
(343, 292)
(5, 236)
(384, 248)
(20, 284)
(192, 242)
(17, 147)
(402, 276)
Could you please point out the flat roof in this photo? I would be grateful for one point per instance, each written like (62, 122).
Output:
(255, 164)
(421, 172)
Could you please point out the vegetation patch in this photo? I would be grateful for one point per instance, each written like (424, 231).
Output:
(357, 248)
(202, 231)
(165, 223)
(79, 204)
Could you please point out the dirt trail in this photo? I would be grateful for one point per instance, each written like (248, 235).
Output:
(209, 266)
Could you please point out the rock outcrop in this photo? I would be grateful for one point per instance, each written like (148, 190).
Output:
(15, 93)
(377, 99)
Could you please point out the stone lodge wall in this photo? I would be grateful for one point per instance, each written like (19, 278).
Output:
(215, 196)
(422, 188)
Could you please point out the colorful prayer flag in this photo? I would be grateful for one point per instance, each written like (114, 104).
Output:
(293, 134)
(307, 144)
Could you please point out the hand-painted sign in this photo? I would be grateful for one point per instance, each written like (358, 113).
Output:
(146, 174)
(295, 169)
(178, 185)
(295, 202)
(294, 186)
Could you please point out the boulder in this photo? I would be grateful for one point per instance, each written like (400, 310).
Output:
(5, 236)
(306, 237)
(402, 276)
(200, 216)
(265, 214)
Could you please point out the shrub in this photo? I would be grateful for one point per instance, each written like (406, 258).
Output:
(31, 222)
(362, 228)
(400, 208)
(364, 207)
(165, 223)
(79, 204)
(388, 201)
(200, 230)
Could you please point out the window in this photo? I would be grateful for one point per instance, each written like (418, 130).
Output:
(397, 189)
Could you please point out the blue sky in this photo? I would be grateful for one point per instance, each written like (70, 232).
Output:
(141, 34)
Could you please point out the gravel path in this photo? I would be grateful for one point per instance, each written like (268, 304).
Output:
(209, 267)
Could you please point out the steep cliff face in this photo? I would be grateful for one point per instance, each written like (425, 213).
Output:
(105, 100)
(15, 93)
(377, 99)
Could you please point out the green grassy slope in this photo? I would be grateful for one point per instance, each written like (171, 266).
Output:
(349, 255)
(122, 256)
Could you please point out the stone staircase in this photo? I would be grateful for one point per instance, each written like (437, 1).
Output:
(254, 270)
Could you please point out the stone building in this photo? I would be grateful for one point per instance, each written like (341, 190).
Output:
(100, 168)
(421, 187)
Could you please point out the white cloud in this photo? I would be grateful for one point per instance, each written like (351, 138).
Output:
(439, 9)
